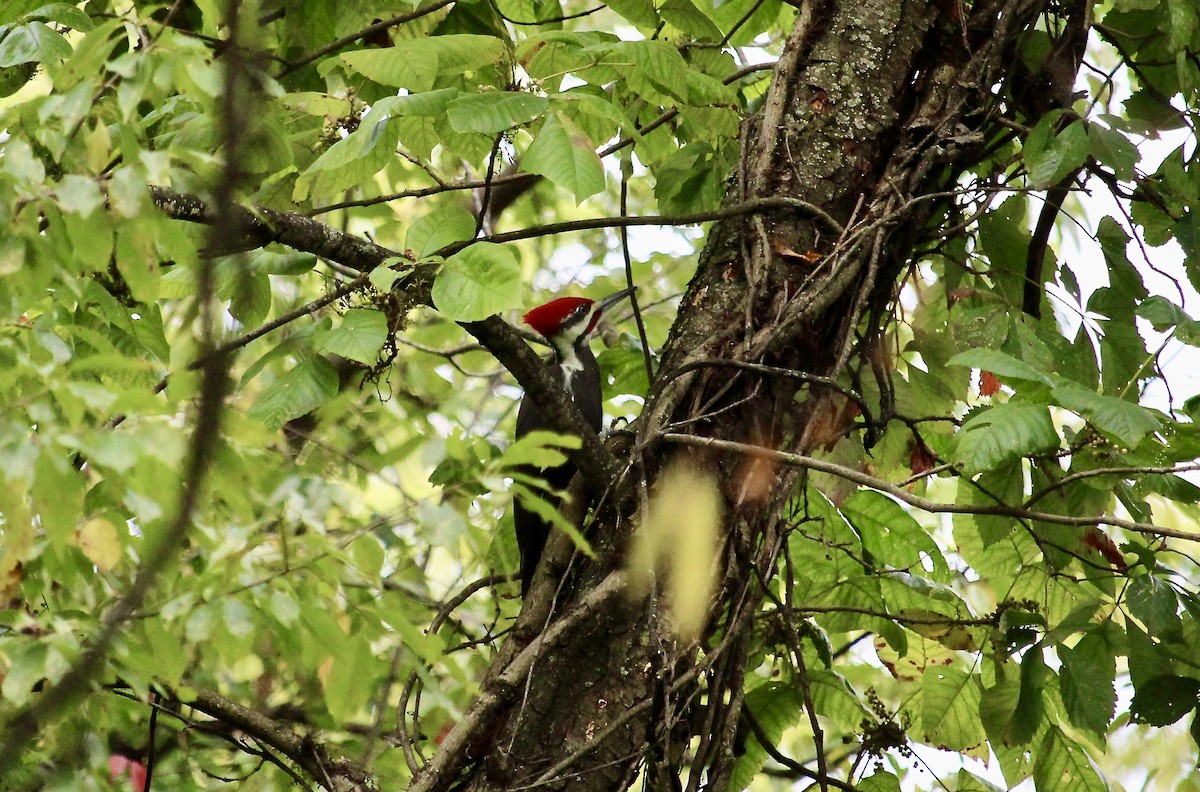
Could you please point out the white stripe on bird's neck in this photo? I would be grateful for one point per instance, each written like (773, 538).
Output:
(568, 358)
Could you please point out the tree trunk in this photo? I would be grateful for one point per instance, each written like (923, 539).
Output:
(874, 110)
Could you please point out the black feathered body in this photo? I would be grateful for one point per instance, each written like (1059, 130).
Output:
(576, 369)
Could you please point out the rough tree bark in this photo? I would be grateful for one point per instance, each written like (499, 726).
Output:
(875, 109)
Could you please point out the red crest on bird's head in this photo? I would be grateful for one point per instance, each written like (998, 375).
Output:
(548, 319)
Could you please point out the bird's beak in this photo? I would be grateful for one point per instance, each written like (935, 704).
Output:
(607, 302)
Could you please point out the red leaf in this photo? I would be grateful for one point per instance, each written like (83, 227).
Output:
(989, 385)
(920, 459)
(1100, 542)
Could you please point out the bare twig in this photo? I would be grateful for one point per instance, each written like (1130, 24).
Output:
(633, 298)
(925, 504)
(377, 27)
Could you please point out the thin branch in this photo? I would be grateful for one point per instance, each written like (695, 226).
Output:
(1123, 472)
(215, 728)
(151, 746)
(752, 206)
(262, 225)
(626, 166)
(901, 618)
(369, 30)
(449, 353)
(300, 749)
(925, 504)
(761, 736)
(802, 674)
(776, 371)
(416, 762)
(422, 192)
(548, 20)
(488, 179)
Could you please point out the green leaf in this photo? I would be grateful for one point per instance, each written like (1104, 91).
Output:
(1187, 234)
(1050, 157)
(548, 510)
(690, 180)
(1003, 432)
(538, 449)
(969, 782)
(1004, 366)
(1127, 423)
(79, 195)
(563, 154)
(1154, 604)
(32, 43)
(705, 90)
(359, 337)
(889, 533)
(879, 781)
(1030, 711)
(63, 14)
(168, 657)
(57, 497)
(623, 371)
(284, 607)
(832, 695)
(354, 159)
(689, 19)
(431, 104)
(1161, 313)
(14, 78)
(1087, 682)
(369, 557)
(640, 12)
(250, 301)
(315, 103)
(1147, 659)
(271, 263)
(1004, 484)
(200, 624)
(1061, 764)
(1151, 112)
(950, 708)
(495, 111)
(477, 282)
(1162, 700)
(776, 706)
(996, 708)
(415, 63)
(1113, 149)
(347, 688)
(658, 71)
(301, 390)
(236, 618)
(384, 276)
(1183, 29)
(1004, 238)
(26, 668)
(431, 232)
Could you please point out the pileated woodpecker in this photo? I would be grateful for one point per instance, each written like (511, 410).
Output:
(567, 324)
